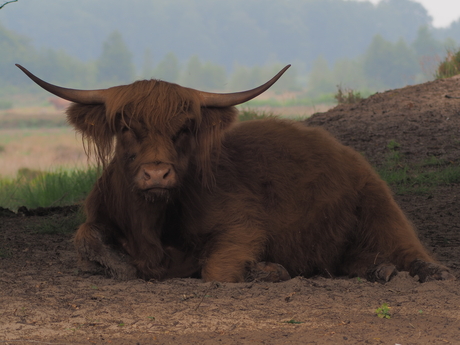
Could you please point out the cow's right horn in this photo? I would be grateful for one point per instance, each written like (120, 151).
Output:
(73, 95)
(230, 99)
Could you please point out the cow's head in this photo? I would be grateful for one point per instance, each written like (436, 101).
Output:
(159, 128)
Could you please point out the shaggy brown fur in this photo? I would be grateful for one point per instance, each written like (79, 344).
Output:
(187, 190)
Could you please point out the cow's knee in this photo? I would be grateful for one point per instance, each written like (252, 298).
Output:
(96, 256)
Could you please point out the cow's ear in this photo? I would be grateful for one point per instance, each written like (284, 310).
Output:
(91, 121)
(214, 122)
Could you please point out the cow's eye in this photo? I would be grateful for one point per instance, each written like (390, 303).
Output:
(125, 129)
(183, 131)
(132, 157)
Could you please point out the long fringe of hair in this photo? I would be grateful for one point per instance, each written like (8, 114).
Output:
(156, 104)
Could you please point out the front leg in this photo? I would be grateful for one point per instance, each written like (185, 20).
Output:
(232, 255)
(96, 254)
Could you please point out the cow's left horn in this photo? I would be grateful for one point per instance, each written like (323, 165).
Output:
(230, 99)
(73, 95)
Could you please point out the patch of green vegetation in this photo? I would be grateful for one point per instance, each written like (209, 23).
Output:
(24, 122)
(292, 102)
(294, 322)
(450, 66)
(246, 115)
(34, 189)
(416, 178)
(347, 95)
(383, 311)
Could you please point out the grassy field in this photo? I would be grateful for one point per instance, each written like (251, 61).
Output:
(38, 138)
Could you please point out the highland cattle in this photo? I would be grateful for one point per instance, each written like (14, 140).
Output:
(186, 189)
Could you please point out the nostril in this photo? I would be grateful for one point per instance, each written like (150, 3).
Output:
(165, 176)
(146, 175)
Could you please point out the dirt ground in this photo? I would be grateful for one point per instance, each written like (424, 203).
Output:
(44, 299)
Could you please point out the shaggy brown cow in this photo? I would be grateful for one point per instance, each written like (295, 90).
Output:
(186, 183)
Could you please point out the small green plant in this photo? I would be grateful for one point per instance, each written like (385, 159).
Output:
(359, 279)
(294, 322)
(152, 318)
(393, 145)
(347, 96)
(450, 66)
(383, 311)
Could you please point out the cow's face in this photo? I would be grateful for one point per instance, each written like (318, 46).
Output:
(160, 130)
(154, 160)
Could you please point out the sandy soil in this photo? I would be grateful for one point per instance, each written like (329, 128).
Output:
(44, 299)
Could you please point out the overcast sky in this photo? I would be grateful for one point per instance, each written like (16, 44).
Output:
(443, 12)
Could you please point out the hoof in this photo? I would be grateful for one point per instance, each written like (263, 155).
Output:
(267, 272)
(428, 271)
(382, 273)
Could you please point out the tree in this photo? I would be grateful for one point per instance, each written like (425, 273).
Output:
(390, 65)
(425, 44)
(14, 48)
(168, 69)
(206, 76)
(115, 63)
(350, 74)
(320, 80)
(147, 65)
(244, 78)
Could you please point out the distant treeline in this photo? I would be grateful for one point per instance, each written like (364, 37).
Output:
(383, 65)
(225, 45)
(245, 32)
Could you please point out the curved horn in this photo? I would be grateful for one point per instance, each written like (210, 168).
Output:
(73, 95)
(230, 99)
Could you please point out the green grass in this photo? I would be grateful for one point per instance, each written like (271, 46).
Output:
(27, 122)
(34, 189)
(246, 115)
(294, 102)
(416, 178)
(347, 96)
(450, 66)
